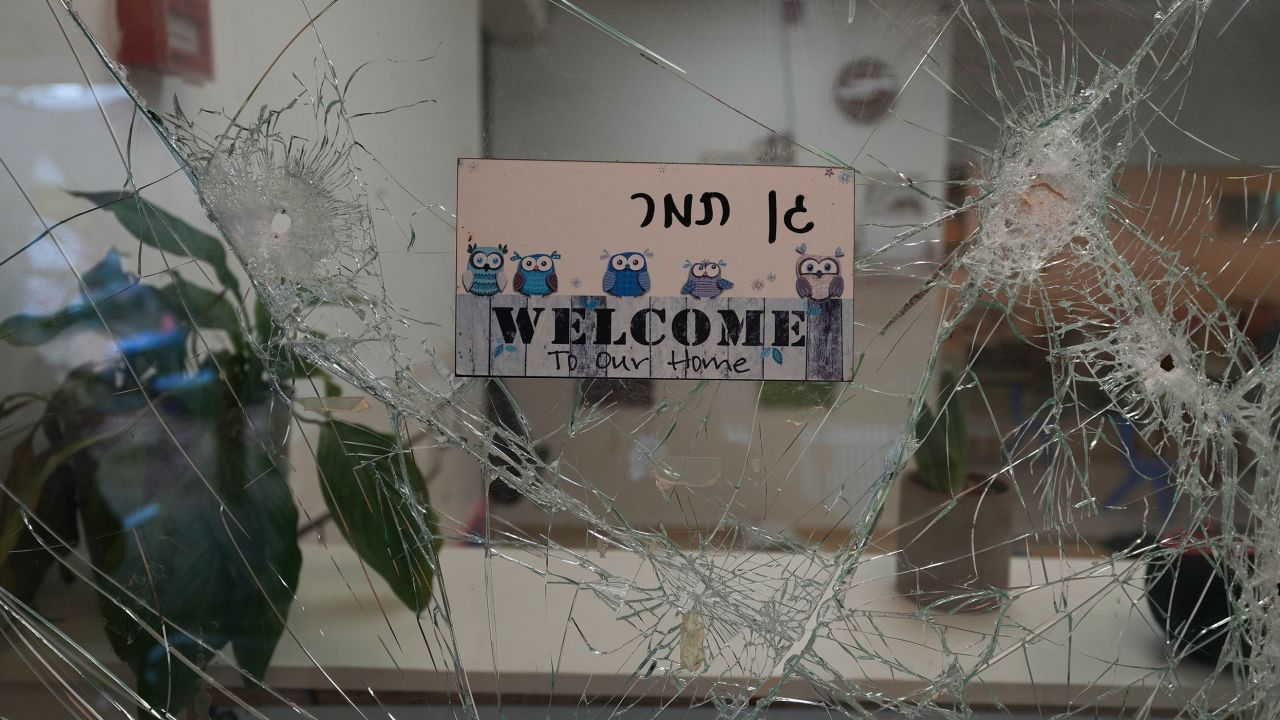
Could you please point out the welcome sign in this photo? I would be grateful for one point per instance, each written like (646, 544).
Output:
(636, 270)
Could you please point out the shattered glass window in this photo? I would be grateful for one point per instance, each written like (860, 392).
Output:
(241, 478)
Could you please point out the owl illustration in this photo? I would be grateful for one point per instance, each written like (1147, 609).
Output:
(627, 274)
(704, 280)
(818, 277)
(536, 274)
(484, 269)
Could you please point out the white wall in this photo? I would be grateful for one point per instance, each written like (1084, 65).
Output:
(572, 92)
(576, 93)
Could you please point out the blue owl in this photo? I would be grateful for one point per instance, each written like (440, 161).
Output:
(627, 274)
(704, 280)
(536, 274)
(484, 269)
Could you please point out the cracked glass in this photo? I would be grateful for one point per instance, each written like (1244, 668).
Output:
(243, 480)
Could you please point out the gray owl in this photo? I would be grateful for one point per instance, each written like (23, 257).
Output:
(704, 279)
(818, 277)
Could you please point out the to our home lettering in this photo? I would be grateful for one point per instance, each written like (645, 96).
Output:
(679, 360)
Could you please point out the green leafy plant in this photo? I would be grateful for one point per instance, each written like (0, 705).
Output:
(171, 456)
(942, 450)
(788, 394)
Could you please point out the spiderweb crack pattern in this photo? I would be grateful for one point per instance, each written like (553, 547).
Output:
(748, 617)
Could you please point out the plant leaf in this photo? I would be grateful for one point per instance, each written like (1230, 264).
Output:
(106, 284)
(942, 452)
(22, 481)
(164, 230)
(206, 308)
(377, 497)
(350, 404)
(264, 327)
(26, 330)
(261, 545)
(929, 450)
(136, 314)
(26, 479)
(55, 534)
(164, 561)
(288, 365)
(16, 401)
(957, 436)
(202, 552)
